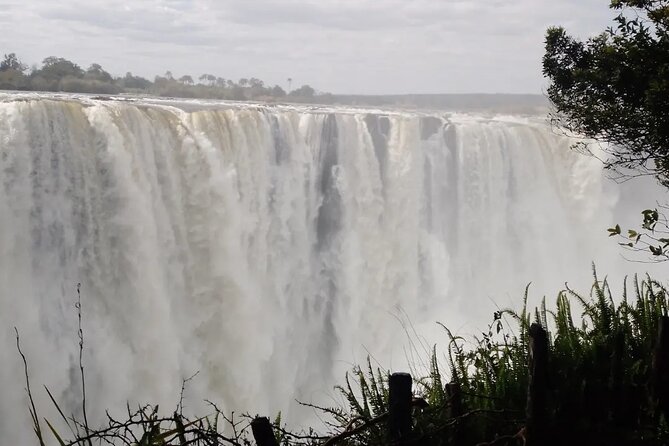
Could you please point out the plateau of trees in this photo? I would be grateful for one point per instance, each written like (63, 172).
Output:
(59, 74)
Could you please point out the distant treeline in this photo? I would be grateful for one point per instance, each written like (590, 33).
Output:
(59, 74)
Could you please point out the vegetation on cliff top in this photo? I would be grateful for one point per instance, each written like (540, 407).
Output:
(59, 74)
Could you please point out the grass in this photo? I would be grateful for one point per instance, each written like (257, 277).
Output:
(600, 386)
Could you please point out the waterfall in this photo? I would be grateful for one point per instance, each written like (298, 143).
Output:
(268, 247)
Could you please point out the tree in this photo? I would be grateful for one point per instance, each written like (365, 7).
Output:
(304, 91)
(11, 62)
(11, 73)
(96, 72)
(13, 80)
(614, 87)
(209, 79)
(278, 92)
(186, 79)
(56, 68)
(136, 82)
(256, 83)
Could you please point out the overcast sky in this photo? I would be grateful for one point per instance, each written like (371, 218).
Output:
(341, 46)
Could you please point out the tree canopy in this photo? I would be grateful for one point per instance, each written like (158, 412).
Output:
(305, 91)
(11, 62)
(614, 87)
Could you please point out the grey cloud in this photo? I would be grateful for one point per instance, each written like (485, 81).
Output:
(357, 15)
(365, 46)
(167, 25)
(311, 15)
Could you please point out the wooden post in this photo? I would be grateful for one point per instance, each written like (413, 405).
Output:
(262, 432)
(537, 392)
(617, 393)
(454, 395)
(455, 399)
(399, 407)
(660, 371)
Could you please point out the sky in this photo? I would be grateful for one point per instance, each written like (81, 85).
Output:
(338, 46)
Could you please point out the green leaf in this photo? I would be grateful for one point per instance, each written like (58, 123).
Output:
(614, 231)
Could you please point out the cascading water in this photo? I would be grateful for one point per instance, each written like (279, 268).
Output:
(267, 247)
